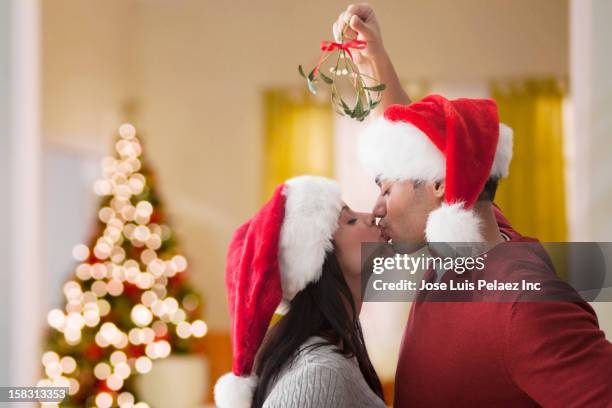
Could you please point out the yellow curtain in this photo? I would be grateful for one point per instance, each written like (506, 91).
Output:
(298, 139)
(533, 196)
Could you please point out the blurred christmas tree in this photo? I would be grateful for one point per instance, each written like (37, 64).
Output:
(128, 301)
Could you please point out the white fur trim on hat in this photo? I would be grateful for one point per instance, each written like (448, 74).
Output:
(453, 223)
(401, 151)
(232, 391)
(503, 153)
(311, 218)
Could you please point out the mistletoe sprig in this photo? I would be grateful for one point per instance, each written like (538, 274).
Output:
(367, 97)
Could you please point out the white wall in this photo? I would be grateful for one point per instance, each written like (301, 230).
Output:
(591, 89)
(5, 179)
(84, 46)
(20, 204)
(69, 212)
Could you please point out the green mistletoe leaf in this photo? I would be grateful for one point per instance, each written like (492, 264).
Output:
(336, 103)
(311, 76)
(374, 104)
(347, 111)
(325, 78)
(301, 71)
(377, 88)
(358, 111)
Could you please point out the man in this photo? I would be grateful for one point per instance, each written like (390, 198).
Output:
(437, 163)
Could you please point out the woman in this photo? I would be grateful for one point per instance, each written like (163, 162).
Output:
(303, 248)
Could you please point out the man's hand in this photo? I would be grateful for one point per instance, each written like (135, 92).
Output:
(359, 22)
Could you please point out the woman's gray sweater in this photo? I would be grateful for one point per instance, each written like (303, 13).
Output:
(321, 378)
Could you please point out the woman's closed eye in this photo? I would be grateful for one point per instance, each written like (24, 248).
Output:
(348, 215)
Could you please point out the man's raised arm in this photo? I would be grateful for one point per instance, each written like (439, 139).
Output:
(374, 59)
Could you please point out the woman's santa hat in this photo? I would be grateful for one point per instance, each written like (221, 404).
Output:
(272, 257)
(459, 141)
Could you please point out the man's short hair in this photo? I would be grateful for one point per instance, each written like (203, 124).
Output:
(489, 190)
(487, 194)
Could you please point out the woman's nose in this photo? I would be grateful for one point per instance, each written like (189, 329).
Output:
(369, 219)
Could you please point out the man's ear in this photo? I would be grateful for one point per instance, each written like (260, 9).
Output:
(438, 189)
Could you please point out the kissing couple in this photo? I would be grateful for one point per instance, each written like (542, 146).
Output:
(437, 163)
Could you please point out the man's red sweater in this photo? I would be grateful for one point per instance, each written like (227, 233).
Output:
(504, 354)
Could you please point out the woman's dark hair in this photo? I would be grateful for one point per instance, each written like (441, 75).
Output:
(320, 309)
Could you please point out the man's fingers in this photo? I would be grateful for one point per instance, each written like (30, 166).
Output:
(338, 27)
(354, 17)
(341, 26)
(350, 34)
(356, 24)
(345, 16)
(335, 31)
(363, 10)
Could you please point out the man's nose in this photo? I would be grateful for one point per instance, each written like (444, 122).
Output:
(380, 208)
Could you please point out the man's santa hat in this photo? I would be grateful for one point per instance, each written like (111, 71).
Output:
(459, 141)
(272, 257)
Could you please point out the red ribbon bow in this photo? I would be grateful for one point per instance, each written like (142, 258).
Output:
(327, 46)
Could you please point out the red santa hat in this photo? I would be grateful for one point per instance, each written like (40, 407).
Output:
(272, 257)
(459, 141)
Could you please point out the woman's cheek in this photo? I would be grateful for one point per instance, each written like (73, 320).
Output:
(371, 234)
